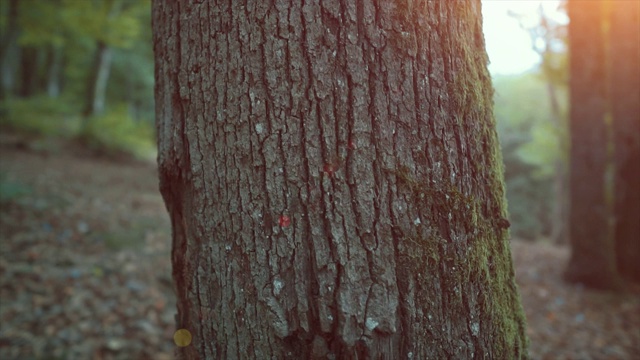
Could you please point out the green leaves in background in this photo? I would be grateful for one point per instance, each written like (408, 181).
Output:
(116, 131)
(531, 144)
(48, 63)
(118, 23)
(41, 115)
(543, 149)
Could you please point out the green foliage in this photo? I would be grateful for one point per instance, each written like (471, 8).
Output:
(523, 111)
(113, 133)
(531, 146)
(543, 149)
(59, 22)
(41, 115)
(116, 132)
(132, 81)
(555, 67)
(42, 23)
(115, 22)
(520, 100)
(69, 31)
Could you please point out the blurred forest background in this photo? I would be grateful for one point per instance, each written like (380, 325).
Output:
(79, 70)
(85, 269)
(83, 71)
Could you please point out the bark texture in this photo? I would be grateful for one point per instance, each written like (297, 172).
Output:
(624, 46)
(334, 181)
(592, 247)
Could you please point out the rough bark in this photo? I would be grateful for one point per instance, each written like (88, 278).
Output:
(592, 247)
(334, 181)
(624, 49)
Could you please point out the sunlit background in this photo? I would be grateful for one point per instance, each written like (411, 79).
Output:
(530, 109)
(509, 46)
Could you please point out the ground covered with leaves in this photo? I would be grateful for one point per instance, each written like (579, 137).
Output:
(85, 270)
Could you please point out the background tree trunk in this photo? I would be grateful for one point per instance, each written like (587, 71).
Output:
(334, 181)
(624, 49)
(559, 215)
(54, 70)
(8, 48)
(29, 71)
(542, 36)
(99, 76)
(97, 81)
(592, 247)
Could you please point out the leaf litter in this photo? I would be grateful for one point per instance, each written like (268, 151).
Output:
(85, 271)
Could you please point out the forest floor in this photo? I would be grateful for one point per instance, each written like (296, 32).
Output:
(85, 268)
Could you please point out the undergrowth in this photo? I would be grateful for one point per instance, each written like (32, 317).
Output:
(113, 133)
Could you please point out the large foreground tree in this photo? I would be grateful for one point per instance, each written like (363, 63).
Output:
(334, 181)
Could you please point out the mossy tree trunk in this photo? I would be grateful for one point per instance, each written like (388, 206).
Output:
(592, 259)
(624, 50)
(334, 181)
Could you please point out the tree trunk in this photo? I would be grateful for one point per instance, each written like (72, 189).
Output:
(99, 75)
(559, 222)
(559, 218)
(97, 82)
(8, 48)
(28, 71)
(334, 181)
(592, 248)
(54, 71)
(542, 35)
(624, 49)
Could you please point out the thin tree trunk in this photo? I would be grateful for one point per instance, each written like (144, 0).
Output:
(624, 46)
(99, 75)
(28, 71)
(98, 80)
(334, 181)
(8, 48)
(543, 33)
(592, 247)
(54, 71)
(559, 220)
